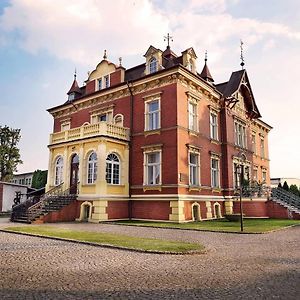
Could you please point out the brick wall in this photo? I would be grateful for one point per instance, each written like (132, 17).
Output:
(252, 208)
(66, 214)
(117, 209)
(156, 210)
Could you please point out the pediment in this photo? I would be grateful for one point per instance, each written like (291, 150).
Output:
(151, 50)
(190, 51)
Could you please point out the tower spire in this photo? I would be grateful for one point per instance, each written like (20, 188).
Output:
(75, 74)
(205, 59)
(242, 55)
(205, 74)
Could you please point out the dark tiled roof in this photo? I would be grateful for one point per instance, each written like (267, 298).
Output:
(135, 72)
(205, 74)
(234, 83)
(74, 88)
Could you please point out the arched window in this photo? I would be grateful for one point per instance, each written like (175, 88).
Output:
(92, 168)
(59, 164)
(112, 169)
(190, 65)
(152, 65)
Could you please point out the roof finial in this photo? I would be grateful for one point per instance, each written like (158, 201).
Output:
(105, 55)
(168, 38)
(75, 74)
(120, 61)
(205, 56)
(242, 55)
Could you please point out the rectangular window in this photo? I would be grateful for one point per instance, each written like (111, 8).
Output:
(192, 109)
(152, 115)
(253, 142)
(99, 82)
(240, 134)
(106, 81)
(152, 168)
(194, 169)
(255, 174)
(264, 176)
(102, 118)
(213, 126)
(65, 126)
(215, 172)
(262, 148)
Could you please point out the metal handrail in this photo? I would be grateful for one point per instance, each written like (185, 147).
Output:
(286, 197)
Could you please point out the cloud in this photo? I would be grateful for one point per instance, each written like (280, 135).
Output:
(80, 30)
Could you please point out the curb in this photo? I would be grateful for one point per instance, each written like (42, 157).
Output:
(192, 252)
(201, 230)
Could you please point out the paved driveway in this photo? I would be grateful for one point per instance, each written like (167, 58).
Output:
(265, 266)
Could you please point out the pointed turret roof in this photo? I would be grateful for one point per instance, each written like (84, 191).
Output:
(205, 74)
(75, 87)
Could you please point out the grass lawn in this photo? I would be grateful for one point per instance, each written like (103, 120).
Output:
(250, 225)
(110, 239)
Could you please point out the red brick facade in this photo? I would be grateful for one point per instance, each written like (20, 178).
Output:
(176, 87)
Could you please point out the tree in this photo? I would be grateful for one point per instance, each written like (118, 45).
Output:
(294, 189)
(279, 185)
(9, 152)
(39, 179)
(285, 186)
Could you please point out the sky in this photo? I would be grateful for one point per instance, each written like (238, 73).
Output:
(42, 42)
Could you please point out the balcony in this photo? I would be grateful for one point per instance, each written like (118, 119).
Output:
(88, 131)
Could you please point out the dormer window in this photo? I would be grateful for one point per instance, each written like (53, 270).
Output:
(103, 82)
(190, 65)
(106, 81)
(71, 96)
(152, 65)
(99, 81)
(102, 118)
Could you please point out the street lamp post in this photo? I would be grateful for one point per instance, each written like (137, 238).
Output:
(240, 174)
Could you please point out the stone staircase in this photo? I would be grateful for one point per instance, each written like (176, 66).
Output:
(38, 206)
(286, 199)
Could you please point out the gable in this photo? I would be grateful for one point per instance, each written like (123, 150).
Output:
(103, 68)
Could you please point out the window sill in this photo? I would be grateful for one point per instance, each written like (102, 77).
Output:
(214, 141)
(194, 188)
(216, 189)
(115, 184)
(152, 188)
(150, 132)
(88, 184)
(193, 132)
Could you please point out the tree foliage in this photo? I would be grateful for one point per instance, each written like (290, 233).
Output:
(294, 189)
(279, 185)
(39, 179)
(285, 186)
(9, 152)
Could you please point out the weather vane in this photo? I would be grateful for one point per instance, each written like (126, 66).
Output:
(168, 38)
(205, 56)
(242, 55)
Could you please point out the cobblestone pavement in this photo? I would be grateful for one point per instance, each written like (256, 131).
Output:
(265, 266)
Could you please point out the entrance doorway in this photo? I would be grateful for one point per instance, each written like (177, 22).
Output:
(217, 208)
(86, 213)
(74, 174)
(196, 212)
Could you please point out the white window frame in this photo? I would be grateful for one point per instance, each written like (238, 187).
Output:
(102, 82)
(192, 115)
(264, 175)
(95, 117)
(215, 180)
(240, 134)
(192, 166)
(253, 142)
(149, 115)
(153, 65)
(92, 168)
(213, 125)
(58, 171)
(147, 180)
(64, 126)
(262, 148)
(114, 165)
